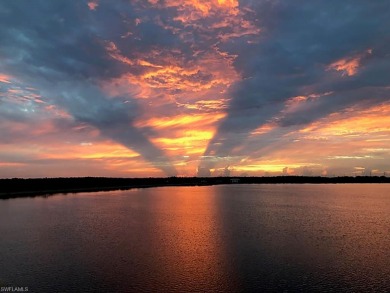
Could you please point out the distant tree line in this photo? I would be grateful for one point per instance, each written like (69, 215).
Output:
(18, 187)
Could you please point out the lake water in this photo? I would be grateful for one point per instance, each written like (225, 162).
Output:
(227, 238)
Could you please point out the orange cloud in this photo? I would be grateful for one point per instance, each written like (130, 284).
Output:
(88, 158)
(206, 105)
(188, 140)
(228, 3)
(263, 129)
(89, 150)
(161, 73)
(220, 13)
(276, 167)
(184, 121)
(204, 7)
(337, 142)
(349, 66)
(184, 135)
(370, 121)
(11, 164)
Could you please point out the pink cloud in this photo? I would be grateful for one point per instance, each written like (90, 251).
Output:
(5, 78)
(93, 5)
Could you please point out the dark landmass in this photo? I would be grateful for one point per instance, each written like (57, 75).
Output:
(17, 187)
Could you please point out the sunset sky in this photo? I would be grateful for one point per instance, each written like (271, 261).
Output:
(184, 87)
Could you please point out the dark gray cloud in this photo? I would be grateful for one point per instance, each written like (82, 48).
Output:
(298, 42)
(59, 47)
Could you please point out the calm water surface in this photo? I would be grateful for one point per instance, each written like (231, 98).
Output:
(237, 238)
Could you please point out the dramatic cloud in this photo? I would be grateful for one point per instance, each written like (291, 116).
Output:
(332, 55)
(50, 47)
(166, 87)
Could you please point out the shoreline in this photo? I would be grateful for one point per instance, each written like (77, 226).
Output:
(17, 187)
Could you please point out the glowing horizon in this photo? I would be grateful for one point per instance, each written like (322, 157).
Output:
(167, 87)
